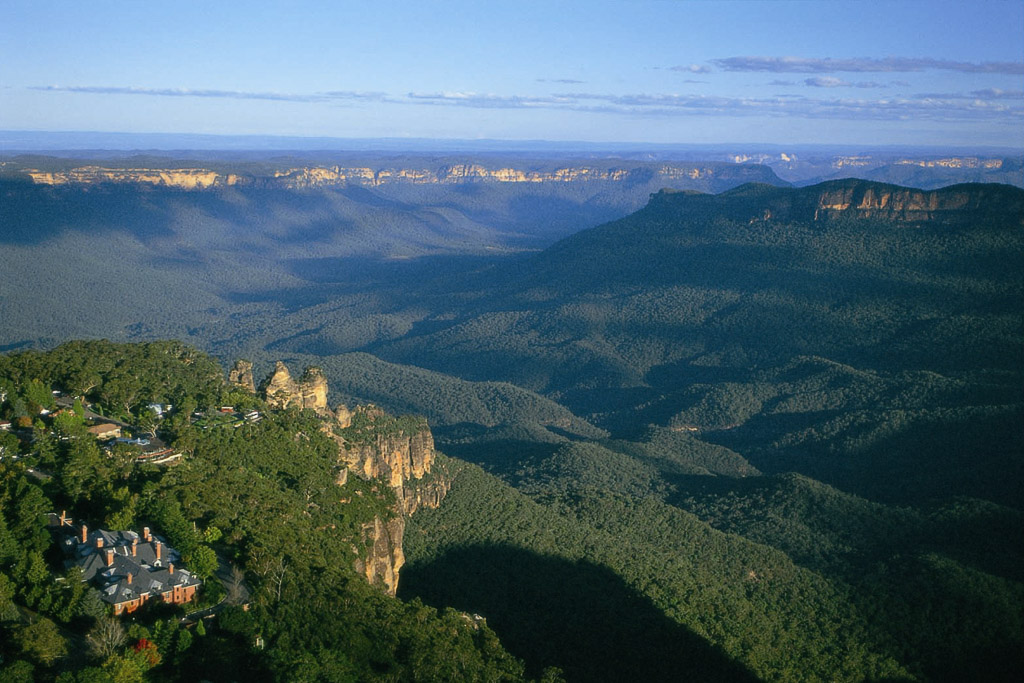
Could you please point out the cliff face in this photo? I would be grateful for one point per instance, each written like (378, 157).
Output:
(444, 174)
(385, 557)
(859, 199)
(279, 389)
(399, 452)
(185, 178)
(875, 200)
(313, 391)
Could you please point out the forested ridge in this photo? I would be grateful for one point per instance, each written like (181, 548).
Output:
(261, 497)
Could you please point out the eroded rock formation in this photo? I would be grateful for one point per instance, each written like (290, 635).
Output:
(858, 199)
(241, 376)
(313, 390)
(280, 390)
(372, 445)
(185, 178)
(399, 452)
(304, 177)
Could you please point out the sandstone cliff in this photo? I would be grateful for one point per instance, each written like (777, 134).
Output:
(863, 199)
(372, 445)
(241, 376)
(399, 452)
(963, 204)
(280, 390)
(185, 178)
(303, 177)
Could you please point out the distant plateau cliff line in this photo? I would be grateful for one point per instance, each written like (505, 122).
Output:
(329, 176)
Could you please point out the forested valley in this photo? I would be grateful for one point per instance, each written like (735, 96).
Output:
(771, 433)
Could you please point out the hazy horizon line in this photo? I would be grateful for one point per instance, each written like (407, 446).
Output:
(12, 141)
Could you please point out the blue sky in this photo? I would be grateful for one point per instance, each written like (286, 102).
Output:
(845, 72)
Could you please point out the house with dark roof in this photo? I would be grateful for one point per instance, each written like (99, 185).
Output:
(128, 568)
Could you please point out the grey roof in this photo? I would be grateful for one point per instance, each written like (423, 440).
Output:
(149, 574)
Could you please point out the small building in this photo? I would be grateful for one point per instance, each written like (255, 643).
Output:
(105, 430)
(5, 425)
(160, 408)
(128, 568)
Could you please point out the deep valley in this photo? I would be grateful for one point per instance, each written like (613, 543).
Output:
(692, 419)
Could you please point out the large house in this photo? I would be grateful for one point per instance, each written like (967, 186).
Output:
(128, 568)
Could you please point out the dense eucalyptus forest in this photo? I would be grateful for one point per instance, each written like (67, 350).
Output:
(753, 433)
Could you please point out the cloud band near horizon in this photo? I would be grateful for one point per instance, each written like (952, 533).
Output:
(862, 65)
(1005, 106)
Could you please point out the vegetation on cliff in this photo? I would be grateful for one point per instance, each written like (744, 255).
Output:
(263, 495)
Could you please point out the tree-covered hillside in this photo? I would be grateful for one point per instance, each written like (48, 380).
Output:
(259, 499)
(822, 344)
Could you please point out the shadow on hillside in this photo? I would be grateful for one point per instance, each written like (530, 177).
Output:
(32, 214)
(501, 458)
(577, 616)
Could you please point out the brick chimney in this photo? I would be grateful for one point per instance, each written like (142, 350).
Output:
(135, 546)
(99, 541)
(145, 534)
(85, 534)
(110, 556)
(129, 578)
(170, 568)
(157, 545)
(63, 517)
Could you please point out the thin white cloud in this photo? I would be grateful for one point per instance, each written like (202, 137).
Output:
(826, 82)
(692, 69)
(806, 107)
(998, 94)
(564, 81)
(489, 101)
(862, 65)
(223, 94)
(833, 82)
(1000, 106)
(986, 94)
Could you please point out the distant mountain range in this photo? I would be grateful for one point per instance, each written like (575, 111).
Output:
(923, 167)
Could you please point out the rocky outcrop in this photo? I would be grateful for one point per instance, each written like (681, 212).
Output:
(241, 376)
(448, 172)
(385, 556)
(965, 204)
(313, 390)
(398, 452)
(281, 391)
(954, 204)
(870, 201)
(184, 178)
(952, 162)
